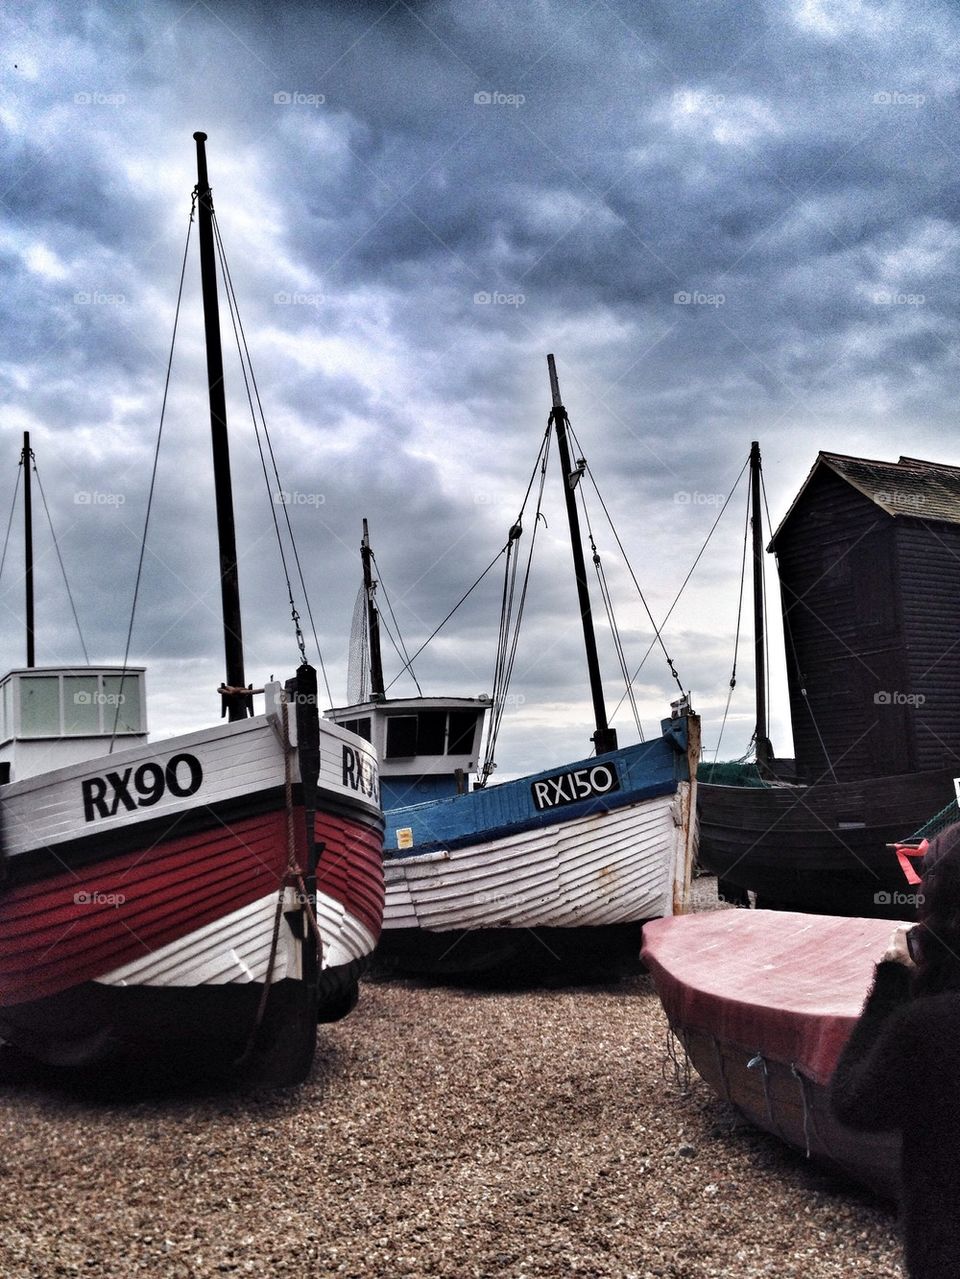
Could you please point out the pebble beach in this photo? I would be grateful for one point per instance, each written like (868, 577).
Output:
(444, 1131)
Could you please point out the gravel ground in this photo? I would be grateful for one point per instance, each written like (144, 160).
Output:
(444, 1132)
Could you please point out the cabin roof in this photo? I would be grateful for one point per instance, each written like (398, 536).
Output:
(428, 703)
(910, 486)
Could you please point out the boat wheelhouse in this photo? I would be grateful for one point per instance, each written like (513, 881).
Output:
(428, 747)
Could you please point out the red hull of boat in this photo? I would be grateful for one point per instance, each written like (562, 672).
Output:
(80, 925)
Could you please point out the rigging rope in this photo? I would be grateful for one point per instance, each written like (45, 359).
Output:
(611, 617)
(250, 380)
(404, 656)
(396, 648)
(507, 642)
(657, 630)
(736, 642)
(438, 629)
(13, 507)
(683, 584)
(503, 550)
(153, 474)
(56, 546)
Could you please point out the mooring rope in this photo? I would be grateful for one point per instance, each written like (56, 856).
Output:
(292, 871)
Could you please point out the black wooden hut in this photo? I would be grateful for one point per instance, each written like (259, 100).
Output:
(869, 565)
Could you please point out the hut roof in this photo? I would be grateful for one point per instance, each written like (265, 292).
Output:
(910, 486)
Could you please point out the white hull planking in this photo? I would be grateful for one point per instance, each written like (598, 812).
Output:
(237, 759)
(236, 948)
(616, 867)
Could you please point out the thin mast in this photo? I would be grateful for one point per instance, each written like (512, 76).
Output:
(605, 738)
(373, 619)
(28, 545)
(759, 627)
(237, 706)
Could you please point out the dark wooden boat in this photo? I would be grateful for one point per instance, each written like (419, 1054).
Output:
(763, 1003)
(866, 557)
(823, 849)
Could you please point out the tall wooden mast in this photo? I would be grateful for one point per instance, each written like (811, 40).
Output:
(25, 458)
(237, 704)
(605, 738)
(764, 751)
(377, 691)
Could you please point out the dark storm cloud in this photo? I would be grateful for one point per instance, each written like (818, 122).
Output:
(729, 221)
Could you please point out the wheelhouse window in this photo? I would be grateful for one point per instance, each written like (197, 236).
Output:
(68, 704)
(359, 726)
(462, 727)
(430, 733)
(401, 736)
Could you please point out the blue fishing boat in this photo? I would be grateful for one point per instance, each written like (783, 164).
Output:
(555, 871)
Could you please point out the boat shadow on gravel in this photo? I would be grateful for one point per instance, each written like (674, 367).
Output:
(719, 1123)
(514, 982)
(162, 1082)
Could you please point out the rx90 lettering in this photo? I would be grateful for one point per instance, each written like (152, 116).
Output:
(141, 786)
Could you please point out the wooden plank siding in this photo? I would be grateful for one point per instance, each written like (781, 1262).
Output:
(841, 626)
(871, 608)
(928, 570)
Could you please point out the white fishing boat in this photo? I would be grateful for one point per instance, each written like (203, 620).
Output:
(558, 869)
(205, 898)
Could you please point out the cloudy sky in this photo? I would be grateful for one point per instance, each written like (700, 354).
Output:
(728, 220)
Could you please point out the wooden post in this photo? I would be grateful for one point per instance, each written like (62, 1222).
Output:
(238, 705)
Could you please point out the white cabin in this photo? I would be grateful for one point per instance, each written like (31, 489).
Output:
(54, 716)
(427, 746)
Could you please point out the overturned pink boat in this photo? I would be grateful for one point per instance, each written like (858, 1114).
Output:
(763, 1003)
